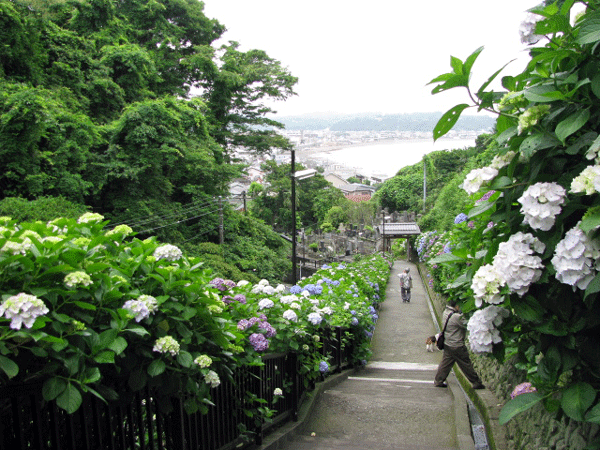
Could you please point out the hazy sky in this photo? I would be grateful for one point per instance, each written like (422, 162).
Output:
(375, 55)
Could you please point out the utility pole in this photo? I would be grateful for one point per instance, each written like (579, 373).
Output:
(424, 181)
(293, 179)
(244, 198)
(221, 234)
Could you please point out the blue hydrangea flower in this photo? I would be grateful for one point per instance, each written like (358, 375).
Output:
(295, 289)
(354, 321)
(462, 217)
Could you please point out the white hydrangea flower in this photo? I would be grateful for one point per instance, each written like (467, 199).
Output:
(501, 161)
(482, 327)
(16, 248)
(280, 288)
(477, 177)
(212, 379)
(242, 283)
(168, 252)
(269, 290)
(587, 181)
(90, 217)
(315, 318)
(78, 278)
(287, 299)
(574, 259)
(265, 303)
(327, 311)
(141, 307)
(263, 282)
(295, 305)
(203, 361)
(166, 344)
(290, 315)
(346, 306)
(527, 29)
(22, 309)
(517, 263)
(541, 204)
(486, 285)
(278, 392)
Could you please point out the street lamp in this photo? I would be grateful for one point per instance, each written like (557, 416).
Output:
(300, 175)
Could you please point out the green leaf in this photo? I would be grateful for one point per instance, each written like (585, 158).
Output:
(457, 65)
(156, 367)
(489, 81)
(92, 375)
(507, 130)
(137, 329)
(460, 281)
(73, 257)
(577, 399)
(84, 305)
(448, 120)
(590, 221)
(185, 359)
(96, 267)
(480, 209)
(528, 308)
(118, 345)
(53, 387)
(537, 142)
(517, 405)
(70, 399)
(593, 414)
(501, 182)
(555, 24)
(446, 258)
(106, 338)
(593, 287)
(543, 93)
(9, 367)
(105, 357)
(589, 29)
(471, 60)
(571, 124)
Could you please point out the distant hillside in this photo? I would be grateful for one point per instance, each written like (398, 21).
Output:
(381, 122)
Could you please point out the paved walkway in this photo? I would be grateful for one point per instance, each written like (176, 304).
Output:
(391, 404)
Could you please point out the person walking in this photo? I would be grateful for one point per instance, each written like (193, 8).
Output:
(455, 350)
(405, 285)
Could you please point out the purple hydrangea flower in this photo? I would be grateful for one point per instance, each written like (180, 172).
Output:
(259, 342)
(523, 388)
(243, 325)
(323, 367)
(227, 299)
(241, 298)
(219, 284)
(270, 331)
(354, 321)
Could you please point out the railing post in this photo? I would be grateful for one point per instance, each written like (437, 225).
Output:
(292, 370)
(338, 349)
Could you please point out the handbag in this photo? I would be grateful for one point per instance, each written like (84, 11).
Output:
(439, 343)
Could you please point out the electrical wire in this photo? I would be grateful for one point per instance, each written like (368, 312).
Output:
(179, 221)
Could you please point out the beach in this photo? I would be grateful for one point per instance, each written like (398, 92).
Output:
(378, 159)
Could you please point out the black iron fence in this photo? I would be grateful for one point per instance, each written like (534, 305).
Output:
(137, 423)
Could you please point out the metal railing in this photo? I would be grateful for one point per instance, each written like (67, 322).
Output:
(139, 422)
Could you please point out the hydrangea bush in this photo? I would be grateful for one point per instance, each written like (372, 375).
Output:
(90, 309)
(530, 279)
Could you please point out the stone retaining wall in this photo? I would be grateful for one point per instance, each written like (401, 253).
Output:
(533, 429)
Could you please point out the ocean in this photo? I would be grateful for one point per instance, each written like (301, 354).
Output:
(382, 159)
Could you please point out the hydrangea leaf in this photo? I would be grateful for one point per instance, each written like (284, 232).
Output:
(577, 399)
(8, 366)
(156, 367)
(448, 120)
(517, 405)
(571, 124)
(70, 399)
(589, 29)
(593, 414)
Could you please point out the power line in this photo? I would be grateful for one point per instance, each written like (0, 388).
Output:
(186, 210)
(178, 221)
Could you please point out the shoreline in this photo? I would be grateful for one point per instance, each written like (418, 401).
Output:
(337, 147)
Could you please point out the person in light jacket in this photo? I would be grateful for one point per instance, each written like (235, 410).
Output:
(405, 285)
(455, 350)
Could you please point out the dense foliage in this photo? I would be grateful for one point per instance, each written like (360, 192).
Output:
(86, 309)
(130, 109)
(523, 255)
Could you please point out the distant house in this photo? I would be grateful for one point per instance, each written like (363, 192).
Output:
(335, 179)
(237, 189)
(357, 192)
(255, 174)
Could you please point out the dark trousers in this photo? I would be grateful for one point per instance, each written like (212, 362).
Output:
(405, 294)
(459, 355)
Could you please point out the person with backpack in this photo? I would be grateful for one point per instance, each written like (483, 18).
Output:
(405, 285)
(455, 350)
